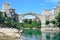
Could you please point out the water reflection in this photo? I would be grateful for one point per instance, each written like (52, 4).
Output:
(30, 34)
(53, 36)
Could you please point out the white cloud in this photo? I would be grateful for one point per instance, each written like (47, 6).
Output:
(52, 1)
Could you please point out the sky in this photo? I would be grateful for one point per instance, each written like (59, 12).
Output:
(36, 6)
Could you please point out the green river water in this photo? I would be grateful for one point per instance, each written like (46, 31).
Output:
(30, 34)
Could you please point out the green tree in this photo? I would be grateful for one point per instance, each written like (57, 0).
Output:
(38, 24)
(24, 20)
(21, 25)
(58, 19)
(13, 24)
(7, 21)
(1, 14)
(47, 22)
(1, 17)
(53, 22)
(29, 21)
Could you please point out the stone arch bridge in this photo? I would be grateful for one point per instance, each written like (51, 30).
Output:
(39, 16)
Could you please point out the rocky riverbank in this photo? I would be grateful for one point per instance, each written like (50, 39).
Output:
(9, 33)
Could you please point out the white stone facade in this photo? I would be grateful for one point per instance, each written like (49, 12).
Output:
(46, 14)
(8, 10)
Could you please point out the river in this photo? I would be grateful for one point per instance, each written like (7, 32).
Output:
(30, 34)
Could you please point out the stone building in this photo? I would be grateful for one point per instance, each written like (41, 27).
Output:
(51, 14)
(46, 14)
(8, 11)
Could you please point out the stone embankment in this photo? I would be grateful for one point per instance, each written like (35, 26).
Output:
(11, 32)
(51, 29)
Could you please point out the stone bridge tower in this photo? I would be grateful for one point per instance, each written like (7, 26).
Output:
(8, 11)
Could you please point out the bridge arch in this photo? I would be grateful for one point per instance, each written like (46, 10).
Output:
(38, 16)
